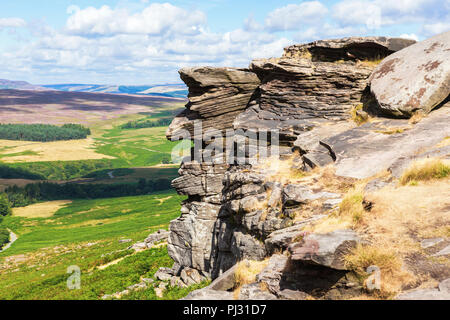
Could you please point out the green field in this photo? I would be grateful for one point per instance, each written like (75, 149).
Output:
(146, 147)
(86, 233)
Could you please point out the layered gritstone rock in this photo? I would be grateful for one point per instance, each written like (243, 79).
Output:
(320, 80)
(237, 211)
(216, 97)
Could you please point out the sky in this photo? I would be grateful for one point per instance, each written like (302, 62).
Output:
(144, 42)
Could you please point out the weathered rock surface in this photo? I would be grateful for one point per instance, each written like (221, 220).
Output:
(414, 79)
(371, 148)
(325, 249)
(440, 293)
(190, 240)
(159, 235)
(319, 80)
(216, 96)
(351, 48)
(242, 211)
(209, 294)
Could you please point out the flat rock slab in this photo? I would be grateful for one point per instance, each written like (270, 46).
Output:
(416, 78)
(428, 243)
(440, 293)
(365, 151)
(325, 249)
(443, 252)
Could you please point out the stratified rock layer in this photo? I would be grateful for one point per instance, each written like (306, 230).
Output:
(237, 211)
(216, 97)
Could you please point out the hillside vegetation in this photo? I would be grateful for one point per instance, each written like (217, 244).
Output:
(86, 233)
(43, 132)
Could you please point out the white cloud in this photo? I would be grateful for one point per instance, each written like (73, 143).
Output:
(411, 36)
(436, 28)
(149, 43)
(157, 18)
(12, 23)
(293, 16)
(380, 13)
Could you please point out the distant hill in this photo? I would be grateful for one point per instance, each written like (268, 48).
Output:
(167, 90)
(20, 85)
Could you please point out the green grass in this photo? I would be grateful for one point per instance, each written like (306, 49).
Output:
(86, 233)
(131, 148)
(90, 220)
(424, 170)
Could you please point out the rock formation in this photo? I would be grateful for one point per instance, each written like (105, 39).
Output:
(414, 79)
(268, 206)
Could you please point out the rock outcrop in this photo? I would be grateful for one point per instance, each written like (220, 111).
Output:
(416, 79)
(269, 205)
(216, 96)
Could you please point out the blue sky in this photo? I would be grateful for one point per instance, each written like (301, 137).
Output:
(146, 42)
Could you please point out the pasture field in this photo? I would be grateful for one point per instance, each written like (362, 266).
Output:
(109, 147)
(86, 233)
(53, 236)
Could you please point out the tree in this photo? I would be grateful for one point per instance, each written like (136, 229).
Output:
(5, 206)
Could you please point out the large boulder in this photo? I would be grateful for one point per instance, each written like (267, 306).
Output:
(326, 250)
(416, 78)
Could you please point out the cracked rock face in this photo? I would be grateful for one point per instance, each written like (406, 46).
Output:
(216, 97)
(241, 211)
(414, 79)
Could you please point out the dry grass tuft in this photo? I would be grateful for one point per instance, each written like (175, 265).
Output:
(372, 63)
(390, 131)
(349, 215)
(351, 205)
(246, 272)
(357, 116)
(282, 171)
(393, 277)
(425, 170)
(416, 118)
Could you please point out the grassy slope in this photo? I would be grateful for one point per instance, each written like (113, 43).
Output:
(86, 233)
(130, 148)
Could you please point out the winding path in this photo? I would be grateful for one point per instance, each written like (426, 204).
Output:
(12, 238)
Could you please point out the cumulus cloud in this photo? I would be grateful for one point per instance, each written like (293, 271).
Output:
(411, 36)
(378, 13)
(150, 42)
(12, 23)
(157, 18)
(293, 16)
(436, 28)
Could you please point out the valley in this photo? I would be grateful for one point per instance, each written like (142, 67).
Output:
(89, 229)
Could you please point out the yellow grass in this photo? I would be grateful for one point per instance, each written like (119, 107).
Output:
(350, 214)
(246, 272)
(51, 151)
(358, 119)
(40, 210)
(426, 169)
(398, 217)
(416, 118)
(393, 277)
